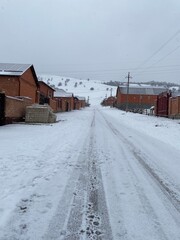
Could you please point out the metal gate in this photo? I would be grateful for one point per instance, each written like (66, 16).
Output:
(2, 108)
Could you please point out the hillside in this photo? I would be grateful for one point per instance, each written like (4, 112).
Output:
(94, 89)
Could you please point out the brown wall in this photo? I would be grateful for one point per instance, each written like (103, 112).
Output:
(28, 86)
(77, 104)
(136, 100)
(46, 90)
(15, 107)
(24, 85)
(53, 104)
(64, 104)
(82, 103)
(174, 107)
(9, 85)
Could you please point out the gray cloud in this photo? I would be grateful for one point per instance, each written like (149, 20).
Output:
(100, 39)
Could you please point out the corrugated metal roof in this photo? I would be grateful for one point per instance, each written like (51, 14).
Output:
(13, 69)
(143, 90)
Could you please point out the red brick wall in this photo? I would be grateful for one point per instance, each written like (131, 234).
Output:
(174, 107)
(77, 104)
(20, 86)
(28, 86)
(46, 90)
(64, 104)
(9, 85)
(53, 104)
(147, 99)
(15, 107)
(137, 100)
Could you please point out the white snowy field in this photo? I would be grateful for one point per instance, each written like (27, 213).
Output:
(98, 172)
(81, 87)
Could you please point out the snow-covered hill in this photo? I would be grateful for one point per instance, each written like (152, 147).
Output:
(94, 89)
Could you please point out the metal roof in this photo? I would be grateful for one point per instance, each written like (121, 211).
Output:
(62, 93)
(80, 98)
(13, 69)
(143, 90)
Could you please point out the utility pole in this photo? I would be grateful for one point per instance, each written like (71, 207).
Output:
(127, 94)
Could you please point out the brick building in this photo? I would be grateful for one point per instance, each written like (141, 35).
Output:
(137, 98)
(19, 80)
(79, 102)
(47, 95)
(110, 101)
(64, 100)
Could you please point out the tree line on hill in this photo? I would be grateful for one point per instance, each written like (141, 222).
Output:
(151, 83)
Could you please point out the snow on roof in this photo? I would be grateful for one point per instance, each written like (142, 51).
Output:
(13, 69)
(81, 98)
(143, 90)
(62, 93)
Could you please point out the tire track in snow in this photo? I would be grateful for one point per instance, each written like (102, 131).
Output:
(132, 175)
(82, 212)
(165, 187)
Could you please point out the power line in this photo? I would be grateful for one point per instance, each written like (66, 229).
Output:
(158, 50)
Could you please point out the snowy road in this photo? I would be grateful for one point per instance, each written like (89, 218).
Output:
(97, 174)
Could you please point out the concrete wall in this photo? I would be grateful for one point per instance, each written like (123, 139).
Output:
(39, 114)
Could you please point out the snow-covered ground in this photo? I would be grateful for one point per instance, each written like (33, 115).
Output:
(98, 173)
(95, 90)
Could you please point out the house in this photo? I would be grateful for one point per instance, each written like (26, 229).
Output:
(46, 95)
(137, 98)
(174, 105)
(110, 101)
(64, 100)
(19, 80)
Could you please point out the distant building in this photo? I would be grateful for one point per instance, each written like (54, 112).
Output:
(79, 102)
(138, 98)
(110, 101)
(64, 100)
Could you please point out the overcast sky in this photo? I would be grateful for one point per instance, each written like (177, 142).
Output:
(96, 39)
